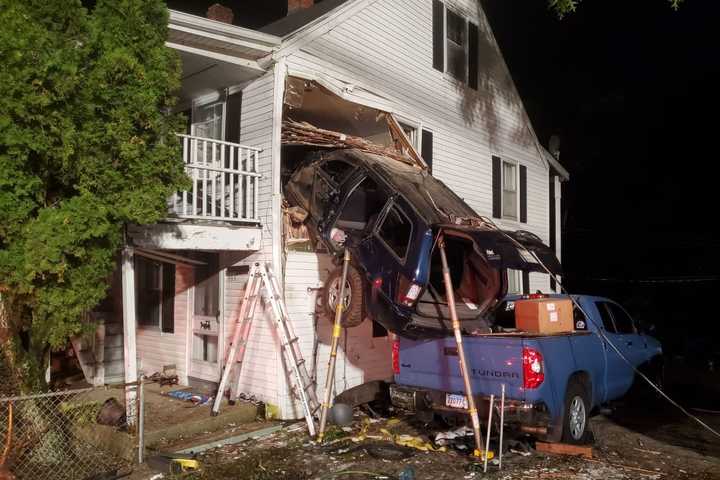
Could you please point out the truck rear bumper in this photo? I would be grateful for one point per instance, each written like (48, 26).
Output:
(533, 418)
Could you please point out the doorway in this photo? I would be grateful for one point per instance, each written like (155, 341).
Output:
(206, 345)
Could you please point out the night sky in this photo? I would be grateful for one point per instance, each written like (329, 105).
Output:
(631, 88)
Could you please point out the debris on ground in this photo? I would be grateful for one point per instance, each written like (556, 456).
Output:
(188, 396)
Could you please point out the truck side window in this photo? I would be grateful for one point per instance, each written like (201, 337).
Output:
(623, 322)
(606, 317)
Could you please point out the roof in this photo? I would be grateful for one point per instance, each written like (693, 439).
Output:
(291, 23)
(555, 164)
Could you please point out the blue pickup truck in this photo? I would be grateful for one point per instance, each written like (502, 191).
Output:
(552, 381)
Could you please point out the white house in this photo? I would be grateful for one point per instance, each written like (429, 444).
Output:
(432, 65)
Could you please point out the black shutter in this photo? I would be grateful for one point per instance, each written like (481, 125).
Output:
(496, 187)
(427, 148)
(525, 282)
(438, 35)
(473, 53)
(168, 298)
(233, 108)
(523, 194)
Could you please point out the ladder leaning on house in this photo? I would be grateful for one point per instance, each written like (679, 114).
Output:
(304, 388)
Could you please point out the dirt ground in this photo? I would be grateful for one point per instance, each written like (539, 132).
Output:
(641, 438)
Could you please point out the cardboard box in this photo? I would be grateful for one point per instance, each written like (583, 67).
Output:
(544, 315)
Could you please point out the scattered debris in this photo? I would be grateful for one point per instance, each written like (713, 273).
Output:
(188, 396)
(173, 463)
(112, 413)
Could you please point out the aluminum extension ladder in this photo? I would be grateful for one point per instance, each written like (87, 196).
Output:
(304, 388)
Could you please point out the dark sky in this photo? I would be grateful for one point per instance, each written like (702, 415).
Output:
(632, 89)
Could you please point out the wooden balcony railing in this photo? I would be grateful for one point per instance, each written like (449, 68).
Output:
(225, 181)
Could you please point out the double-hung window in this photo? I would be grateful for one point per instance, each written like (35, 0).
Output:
(509, 190)
(154, 294)
(455, 44)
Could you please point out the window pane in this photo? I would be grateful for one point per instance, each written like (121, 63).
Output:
(205, 348)
(207, 293)
(509, 177)
(623, 322)
(395, 232)
(514, 281)
(456, 45)
(509, 204)
(605, 315)
(148, 291)
(208, 121)
(362, 207)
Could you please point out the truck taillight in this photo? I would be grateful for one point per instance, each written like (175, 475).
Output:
(533, 368)
(396, 356)
(408, 292)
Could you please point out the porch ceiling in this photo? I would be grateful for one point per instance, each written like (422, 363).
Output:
(202, 75)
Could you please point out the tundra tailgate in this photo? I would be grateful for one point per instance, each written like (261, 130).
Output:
(433, 364)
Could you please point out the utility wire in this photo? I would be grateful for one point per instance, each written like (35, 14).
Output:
(600, 333)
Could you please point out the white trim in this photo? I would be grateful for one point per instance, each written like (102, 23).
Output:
(229, 33)
(558, 217)
(280, 72)
(250, 64)
(129, 328)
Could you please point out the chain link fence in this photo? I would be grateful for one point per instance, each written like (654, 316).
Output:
(73, 434)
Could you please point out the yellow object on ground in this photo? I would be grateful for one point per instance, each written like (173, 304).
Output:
(481, 454)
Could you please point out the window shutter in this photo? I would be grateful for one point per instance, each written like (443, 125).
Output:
(233, 108)
(525, 282)
(496, 187)
(438, 35)
(523, 194)
(427, 148)
(473, 53)
(168, 300)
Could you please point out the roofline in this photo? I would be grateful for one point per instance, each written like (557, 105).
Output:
(230, 34)
(550, 158)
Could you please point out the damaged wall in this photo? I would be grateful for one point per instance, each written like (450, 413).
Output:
(387, 48)
(366, 359)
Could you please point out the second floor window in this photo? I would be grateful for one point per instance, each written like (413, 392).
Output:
(509, 193)
(455, 44)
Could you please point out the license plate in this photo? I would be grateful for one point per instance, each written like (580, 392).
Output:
(456, 401)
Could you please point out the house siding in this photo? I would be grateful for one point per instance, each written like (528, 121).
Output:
(156, 349)
(259, 375)
(387, 49)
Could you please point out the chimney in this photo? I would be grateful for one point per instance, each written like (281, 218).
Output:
(220, 13)
(297, 5)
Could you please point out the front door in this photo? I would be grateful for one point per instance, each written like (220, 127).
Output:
(206, 345)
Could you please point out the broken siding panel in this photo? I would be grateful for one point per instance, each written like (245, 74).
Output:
(156, 349)
(366, 358)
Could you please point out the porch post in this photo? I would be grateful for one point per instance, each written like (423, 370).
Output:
(558, 218)
(129, 338)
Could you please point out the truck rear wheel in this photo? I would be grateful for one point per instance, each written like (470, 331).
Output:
(576, 420)
(353, 313)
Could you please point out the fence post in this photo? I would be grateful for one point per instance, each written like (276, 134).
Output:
(141, 421)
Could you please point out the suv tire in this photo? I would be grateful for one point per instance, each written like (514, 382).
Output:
(353, 314)
(576, 416)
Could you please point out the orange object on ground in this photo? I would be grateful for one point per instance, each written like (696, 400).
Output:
(544, 315)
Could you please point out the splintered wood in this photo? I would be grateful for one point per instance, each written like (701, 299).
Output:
(303, 133)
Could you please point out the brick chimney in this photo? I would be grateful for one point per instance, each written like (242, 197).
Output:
(296, 5)
(220, 13)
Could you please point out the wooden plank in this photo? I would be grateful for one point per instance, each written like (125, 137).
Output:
(584, 451)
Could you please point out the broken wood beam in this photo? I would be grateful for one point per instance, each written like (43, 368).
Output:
(584, 451)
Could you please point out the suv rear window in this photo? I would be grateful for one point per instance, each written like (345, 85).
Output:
(395, 231)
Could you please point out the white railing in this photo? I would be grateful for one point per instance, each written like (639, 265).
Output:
(225, 181)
